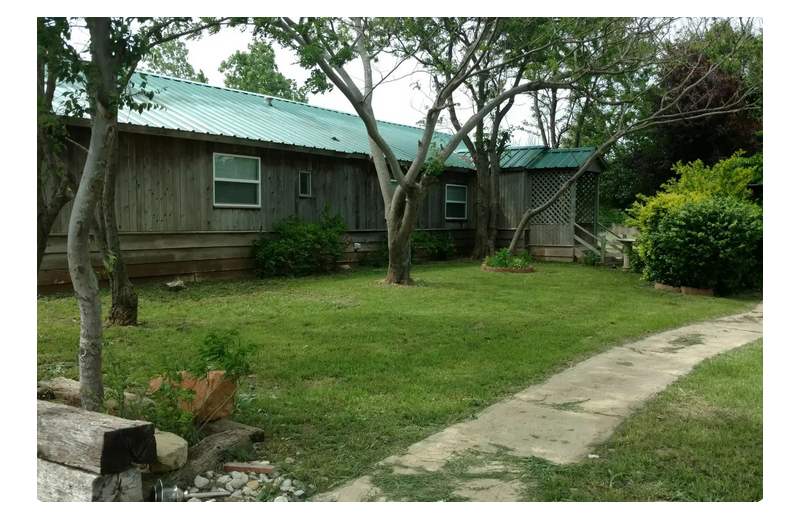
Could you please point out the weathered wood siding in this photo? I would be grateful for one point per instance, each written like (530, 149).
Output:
(166, 184)
(169, 227)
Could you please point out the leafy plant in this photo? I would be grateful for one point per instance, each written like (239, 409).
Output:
(301, 247)
(378, 257)
(590, 258)
(503, 260)
(439, 247)
(713, 244)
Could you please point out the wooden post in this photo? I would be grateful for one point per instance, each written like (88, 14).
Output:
(92, 441)
(603, 249)
(57, 483)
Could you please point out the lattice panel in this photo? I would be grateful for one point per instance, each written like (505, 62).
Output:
(543, 186)
(585, 198)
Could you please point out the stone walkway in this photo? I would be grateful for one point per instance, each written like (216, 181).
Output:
(562, 419)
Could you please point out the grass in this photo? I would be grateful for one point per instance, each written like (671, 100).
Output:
(349, 371)
(699, 440)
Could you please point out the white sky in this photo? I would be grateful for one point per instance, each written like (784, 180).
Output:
(393, 101)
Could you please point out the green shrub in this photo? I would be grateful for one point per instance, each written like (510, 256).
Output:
(378, 257)
(439, 247)
(301, 247)
(712, 244)
(503, 260)
(591, 258)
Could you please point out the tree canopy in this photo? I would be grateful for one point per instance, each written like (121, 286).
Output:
(256, 71)
(172, 59)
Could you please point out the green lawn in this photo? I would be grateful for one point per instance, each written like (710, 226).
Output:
(349, 371)
(700, 440)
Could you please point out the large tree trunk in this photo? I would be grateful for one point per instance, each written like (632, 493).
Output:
(400, 225)
(84, 281)
(124, 301)
(482, 201)
(494, 198)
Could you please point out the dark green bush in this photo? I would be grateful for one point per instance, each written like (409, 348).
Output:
(300, 247)
(503, 260)
(439, 247)
(591, 258)
(712, 244)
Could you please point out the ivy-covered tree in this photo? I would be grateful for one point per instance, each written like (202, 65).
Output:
(256, 71)
(172, 59)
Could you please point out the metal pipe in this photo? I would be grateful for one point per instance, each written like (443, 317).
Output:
(176, 494)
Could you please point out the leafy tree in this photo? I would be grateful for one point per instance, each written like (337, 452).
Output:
(172, 59)
(116, 47)
(644, 162)
(256, 71)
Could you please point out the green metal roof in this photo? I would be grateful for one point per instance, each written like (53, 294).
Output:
(539, 157)
(205, 109)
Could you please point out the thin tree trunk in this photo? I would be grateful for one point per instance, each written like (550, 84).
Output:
(52, 168)
(400, 227)
(124, 301)
(84, 281)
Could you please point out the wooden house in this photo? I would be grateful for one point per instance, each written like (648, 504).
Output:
(204, 171)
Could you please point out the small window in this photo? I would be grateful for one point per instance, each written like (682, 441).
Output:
(394, 185)
(305, 184)
(237, 181)
(455, 202)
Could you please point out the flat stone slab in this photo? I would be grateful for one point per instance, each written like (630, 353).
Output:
(489, 490)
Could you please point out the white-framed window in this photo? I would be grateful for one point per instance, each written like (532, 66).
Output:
(237, 181)
(304, 184)
(455, 202)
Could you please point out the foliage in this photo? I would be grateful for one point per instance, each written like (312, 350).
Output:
(220, 350)
(712, 244)
(172, 59)
(695, 183)
(644, 161)
(439, 247)
(609, 216)
(301, 247)
(502, 259)
(590, 258)
(256, 71)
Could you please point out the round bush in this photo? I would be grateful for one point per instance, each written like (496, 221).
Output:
(714, 244)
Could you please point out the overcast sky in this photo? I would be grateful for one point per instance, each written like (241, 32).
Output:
(395, 101)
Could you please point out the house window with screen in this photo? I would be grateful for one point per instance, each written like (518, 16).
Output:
(455, 205)
(305, 184)
(237, 181)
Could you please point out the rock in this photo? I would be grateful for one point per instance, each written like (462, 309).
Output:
(229, 487)
(194, 490)
(247, 491)
(300, 494)
(345, 267)
(237, 493)
(176, 286)
(172, 452)
(209, 474)
(264, 479)
(236, 483)
(289, 460)
(593, 456)
(253, 484)
(201, 482)
(281, 499)
(212, 500)
(285, 485)
(224, 479)
(194, 499)
(214, 395)
(312, 487)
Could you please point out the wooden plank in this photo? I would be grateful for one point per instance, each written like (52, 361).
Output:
(57, 483)
(224, 275)
(92, 441)
(150, 256)
(551, 251)
(192, 266)
(169, 240)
